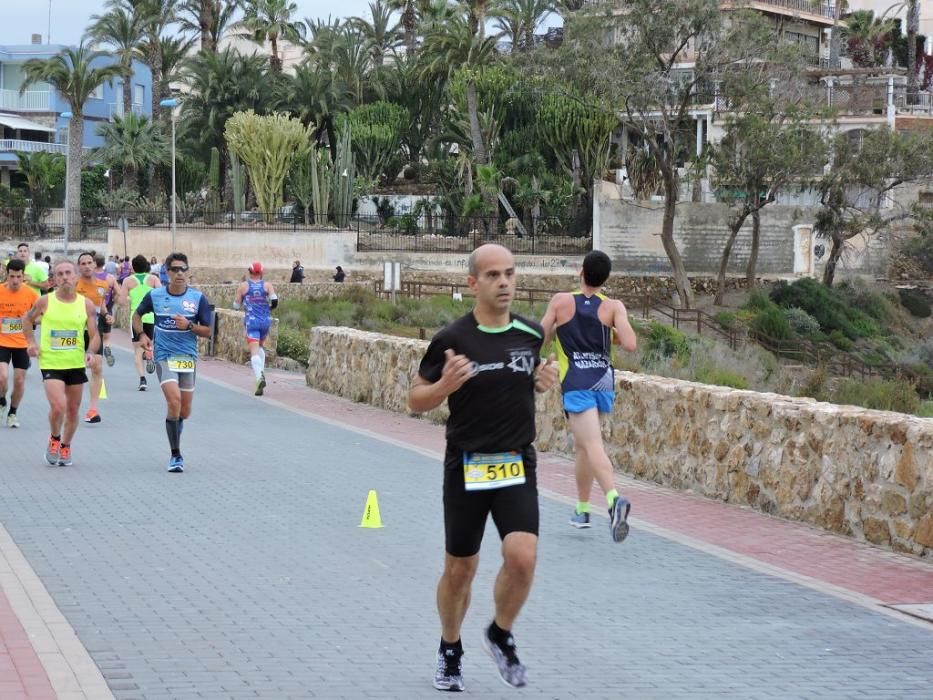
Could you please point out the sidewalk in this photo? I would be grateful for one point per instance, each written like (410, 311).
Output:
(247, 576)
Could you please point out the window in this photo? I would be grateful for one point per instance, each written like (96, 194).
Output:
(98, 93)
(138, 95)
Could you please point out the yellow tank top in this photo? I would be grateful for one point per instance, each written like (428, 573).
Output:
(61, 342)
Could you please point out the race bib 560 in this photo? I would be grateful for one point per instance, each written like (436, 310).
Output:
(9, 326)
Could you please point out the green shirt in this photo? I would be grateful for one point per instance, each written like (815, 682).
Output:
(35, 275)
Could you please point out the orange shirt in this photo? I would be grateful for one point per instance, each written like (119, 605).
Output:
(13, 306)
(93, 289)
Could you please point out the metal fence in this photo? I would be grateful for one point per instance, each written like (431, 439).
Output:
(429, 232)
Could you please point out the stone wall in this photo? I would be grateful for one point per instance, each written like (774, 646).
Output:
(866, 474)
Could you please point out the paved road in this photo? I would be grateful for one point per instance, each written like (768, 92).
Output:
(248, 576)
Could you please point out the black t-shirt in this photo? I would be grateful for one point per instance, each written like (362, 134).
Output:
(495, 409)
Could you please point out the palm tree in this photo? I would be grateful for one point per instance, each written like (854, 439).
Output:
(271, 20)
(316, 96)
(174, 50)
(132, 143)
(380, 31)
(913, 29)
(73, 75)
(867, 38)
(44, 173)
(520, 18)
(123, 31)
(453, 46)
(221, 83)
(408, 22)
(207, 19)
(154, 16)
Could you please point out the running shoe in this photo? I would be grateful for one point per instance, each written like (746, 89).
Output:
(108, 355)
(92, 416)
(449, 672)
(580, 520)
(176, 464)
(618, 518)
(52, 451)
(143, 384)
(150, 363)
(511, 670)
(12, 421)
(261, 384)
(64, 456)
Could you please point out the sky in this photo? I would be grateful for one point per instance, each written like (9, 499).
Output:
(23, 18)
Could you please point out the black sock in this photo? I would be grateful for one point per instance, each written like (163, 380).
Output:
(65, 444)
(497, 634)
(57, 437)
(456, 647)
(2, 401)
(174, 435)
(12, 411)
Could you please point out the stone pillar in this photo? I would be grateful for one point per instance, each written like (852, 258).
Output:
(803, 250)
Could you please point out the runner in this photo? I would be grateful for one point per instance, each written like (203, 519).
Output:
(586, 324)
(182, 315)
(101, 274)
(15, 301)
(258, 298)
(36, 275)
(135, 287)
(68, 341)
(94, 289)
(487, 365)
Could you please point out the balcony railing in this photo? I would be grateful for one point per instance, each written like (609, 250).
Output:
(116, 109)
(823, 9)
(29, 101)
(31, 146)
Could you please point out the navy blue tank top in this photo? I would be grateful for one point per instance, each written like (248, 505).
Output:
(584, 348)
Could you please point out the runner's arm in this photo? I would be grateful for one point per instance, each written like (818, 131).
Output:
(624, 333)
(90, 324)
(273, 297)
(425, 395)
(29, 323)
(238, 297)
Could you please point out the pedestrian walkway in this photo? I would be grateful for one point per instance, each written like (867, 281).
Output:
(248, 576)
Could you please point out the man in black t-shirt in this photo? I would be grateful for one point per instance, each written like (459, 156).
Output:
(486, 364)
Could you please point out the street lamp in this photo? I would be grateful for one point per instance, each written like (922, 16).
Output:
(67, 117)
(172, 104)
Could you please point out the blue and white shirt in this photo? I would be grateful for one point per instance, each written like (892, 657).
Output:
(256, 305)
(169, 340)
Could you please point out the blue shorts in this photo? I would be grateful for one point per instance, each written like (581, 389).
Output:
(583, 400)
(257, 332)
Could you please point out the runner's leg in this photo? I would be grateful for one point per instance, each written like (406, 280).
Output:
(72, 396)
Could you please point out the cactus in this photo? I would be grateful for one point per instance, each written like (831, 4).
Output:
(238, 186)
(344, 180)
(322, 177)
(212, 202)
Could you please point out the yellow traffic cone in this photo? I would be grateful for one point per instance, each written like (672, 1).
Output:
(103, 389)
(371, 516)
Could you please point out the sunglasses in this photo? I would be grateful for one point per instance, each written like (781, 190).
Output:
(178, 269)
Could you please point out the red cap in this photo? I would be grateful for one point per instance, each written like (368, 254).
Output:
(255, 268)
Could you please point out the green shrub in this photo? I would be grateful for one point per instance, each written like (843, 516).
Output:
(839, 339)
(881, 394)
(926, 409)
(771, 322)
(664, 341)
(827, 306)
(756, 301)
(726, 319)
(721, 377)
(917, 304)
(801, 322)
(293, 342)
(866, 300)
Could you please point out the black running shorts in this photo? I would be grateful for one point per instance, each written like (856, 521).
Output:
(513, 508)
(18, 356)
(69, 376)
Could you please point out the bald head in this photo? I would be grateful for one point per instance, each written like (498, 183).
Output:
(486, 255)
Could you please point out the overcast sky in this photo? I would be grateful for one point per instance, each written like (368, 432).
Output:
(23, 18)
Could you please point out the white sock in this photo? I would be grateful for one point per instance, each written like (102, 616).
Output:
(262, 354)
(256, 362)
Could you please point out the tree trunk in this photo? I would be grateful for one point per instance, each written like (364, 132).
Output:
(274, 61)
(913, 28)
(734, 229)
(679, 272)
(130, 178)
(829, 272)
(75, 157)
(206, 20)
(476, 135)
(128, 89)
(835, 36)
(154, 59)
(409, 22)
(753, 254)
